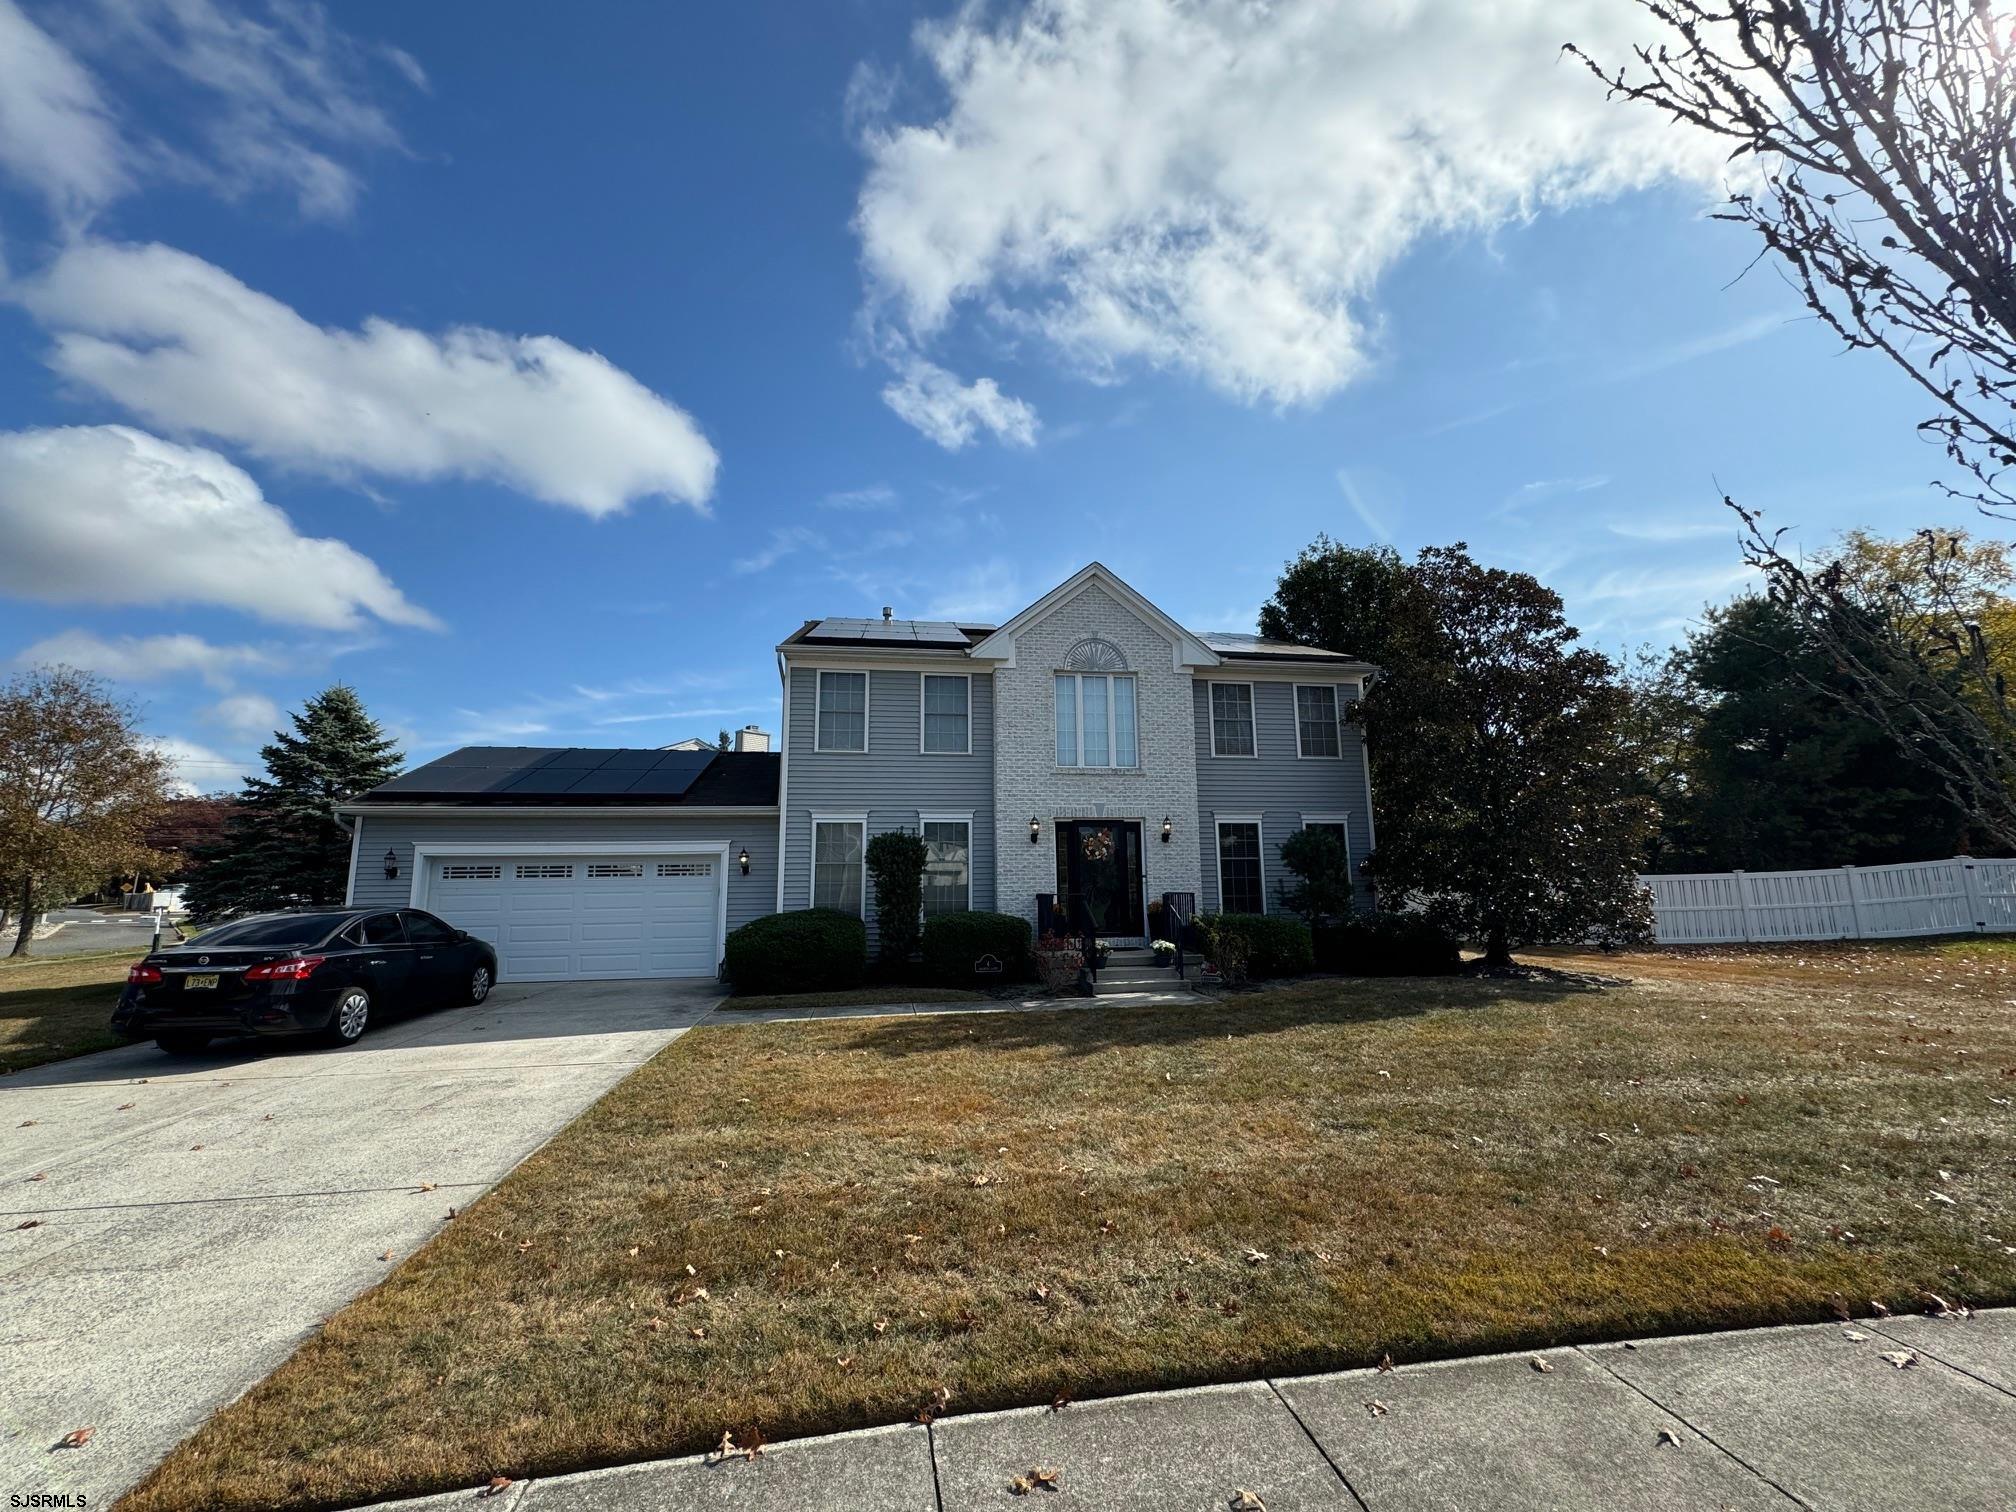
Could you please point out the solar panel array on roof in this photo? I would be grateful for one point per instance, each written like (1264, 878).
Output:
(890, 632)
(539, 771)
(1255, 645)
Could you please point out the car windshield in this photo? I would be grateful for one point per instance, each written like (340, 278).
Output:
(281, 929)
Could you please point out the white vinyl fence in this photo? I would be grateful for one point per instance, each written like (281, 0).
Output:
(1960, 896)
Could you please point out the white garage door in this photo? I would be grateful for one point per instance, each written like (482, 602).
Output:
(575, 918)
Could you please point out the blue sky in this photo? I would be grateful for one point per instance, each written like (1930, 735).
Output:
(537, 376)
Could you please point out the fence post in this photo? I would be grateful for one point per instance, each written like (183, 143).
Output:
(1743, 902)
(1855, 901)
(1977, 908)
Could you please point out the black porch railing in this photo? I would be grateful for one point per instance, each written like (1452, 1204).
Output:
(1178, 909)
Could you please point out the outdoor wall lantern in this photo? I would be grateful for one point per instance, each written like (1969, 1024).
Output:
(1035, 830)
(1168, 829)
(391, 866)
(743, 860)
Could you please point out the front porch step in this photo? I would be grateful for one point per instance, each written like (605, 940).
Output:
(1111, 980)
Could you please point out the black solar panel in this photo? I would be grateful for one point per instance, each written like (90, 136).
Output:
(528, 772)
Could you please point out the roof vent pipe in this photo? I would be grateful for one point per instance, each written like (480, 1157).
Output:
(887, 614)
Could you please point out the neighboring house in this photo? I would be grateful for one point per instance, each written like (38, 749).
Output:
(1090, 750)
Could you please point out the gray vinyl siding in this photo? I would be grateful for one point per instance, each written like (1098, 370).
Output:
(1278, 785)
(892, 781)
(748, 897)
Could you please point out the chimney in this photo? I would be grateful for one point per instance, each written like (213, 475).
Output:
(749, 738)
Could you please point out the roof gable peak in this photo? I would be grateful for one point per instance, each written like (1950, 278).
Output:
(1189, 651)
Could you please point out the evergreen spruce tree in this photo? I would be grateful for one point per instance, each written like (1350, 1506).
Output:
(284, 848)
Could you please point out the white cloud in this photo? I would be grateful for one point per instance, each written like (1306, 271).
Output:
(876, 496)
(189, 348)
(1216, 187)
(250, 716)
(951, 413)
(990, 590)
(1361, 507)
(148, 658)
(104, 514)
(198, 768)
(57, 134)
(785, 541)
(251, 102)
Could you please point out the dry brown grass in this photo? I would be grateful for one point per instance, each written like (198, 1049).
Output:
(1013, 1205)
(855, 997)
(54, 1008)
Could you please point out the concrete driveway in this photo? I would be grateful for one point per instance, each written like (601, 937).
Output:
(170, 1229)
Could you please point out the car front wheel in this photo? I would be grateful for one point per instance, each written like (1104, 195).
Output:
(347, 1021)
(479, 985)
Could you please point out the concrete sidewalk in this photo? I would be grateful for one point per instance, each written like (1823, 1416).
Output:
(1812, 1416)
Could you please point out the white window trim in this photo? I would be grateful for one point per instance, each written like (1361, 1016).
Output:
(925, 677)
(1112, 724)
(954, 816)
(1218, 823)
(812, 858)
(1295, 694)
(426, 850)
(1342, 821)
(1211, 714)
(867, 677)
(356, 844)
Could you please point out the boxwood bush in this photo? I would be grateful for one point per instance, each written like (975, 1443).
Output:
(1276, 945)
(1387, 944)
(810, 950)
(954, 941)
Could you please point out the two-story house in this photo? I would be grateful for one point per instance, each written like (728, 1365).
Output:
(1089, 751)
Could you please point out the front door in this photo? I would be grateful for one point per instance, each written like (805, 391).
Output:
(1099, 864)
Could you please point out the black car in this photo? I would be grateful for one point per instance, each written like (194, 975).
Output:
(321, 974)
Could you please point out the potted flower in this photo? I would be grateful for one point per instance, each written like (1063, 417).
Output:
(1165, 952)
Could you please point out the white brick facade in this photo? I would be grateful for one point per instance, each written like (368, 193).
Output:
(1028, 782)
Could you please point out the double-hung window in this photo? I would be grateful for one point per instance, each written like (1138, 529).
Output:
(1096, 721)
(1241, 888)
(838, 848)
(843, 712)
(1316, 722)
(947, 715)
(948, 872)
(1232, 720)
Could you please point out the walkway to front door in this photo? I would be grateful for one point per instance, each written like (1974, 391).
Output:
(1099, 864)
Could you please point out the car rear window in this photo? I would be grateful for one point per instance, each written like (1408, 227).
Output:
(285, 929)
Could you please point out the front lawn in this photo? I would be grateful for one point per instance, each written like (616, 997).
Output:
(793, 1228)
(856, 997)
(59, 1006)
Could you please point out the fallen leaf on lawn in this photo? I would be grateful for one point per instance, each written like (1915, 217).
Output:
(499, 1484)
(1668, 1436)
(1541, 1365)
(1385, 1363)
(981, 1180)
(1255, 1257)
(31, 1223)
(1060, 1401)
(523, 1245)
(1947, 1177)
(633, 1251)
(1879, 1309)
(76, 1438)
(881, 1325)
(386, 1256)
(656, 1325)
(1854, 1335)
(27, 1123)
(122, 1107)
(1937, 1305)
(426, 1186)
(1767, 1180)
(696, 1333)
(1247, 1501)
(845, 1362)
(728, 1449)
(1377, 1408)
(39, 1176)
(1903, 1359)
(1039, 1293)
(1942, 1197)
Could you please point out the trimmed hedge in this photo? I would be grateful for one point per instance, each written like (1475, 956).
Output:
(954, 941)
(809, 950)
(1276, 945)
(1387, 944)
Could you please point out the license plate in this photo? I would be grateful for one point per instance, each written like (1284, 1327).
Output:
(196, 983)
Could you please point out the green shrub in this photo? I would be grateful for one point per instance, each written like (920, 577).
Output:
(1387, 944)
(1274, 944)
(954, 941)
(811, 950)
(896, 860)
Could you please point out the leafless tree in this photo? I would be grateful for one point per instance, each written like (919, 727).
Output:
(1873, 150)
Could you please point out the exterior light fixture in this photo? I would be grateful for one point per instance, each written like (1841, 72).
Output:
(391, 865)
(1035, 830)
(1168, 829)
(743, 860)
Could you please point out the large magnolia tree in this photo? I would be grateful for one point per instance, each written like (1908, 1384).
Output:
(1508, 796)
(79, 788)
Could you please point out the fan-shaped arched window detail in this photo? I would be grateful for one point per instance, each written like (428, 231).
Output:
(1095, 655)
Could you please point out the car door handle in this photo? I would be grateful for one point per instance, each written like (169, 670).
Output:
(381, 961)
(426, 958)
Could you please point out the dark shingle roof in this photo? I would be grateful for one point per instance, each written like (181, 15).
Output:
(1258, 648)
(587, 776)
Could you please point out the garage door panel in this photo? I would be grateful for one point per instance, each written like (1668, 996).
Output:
(560, 918)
